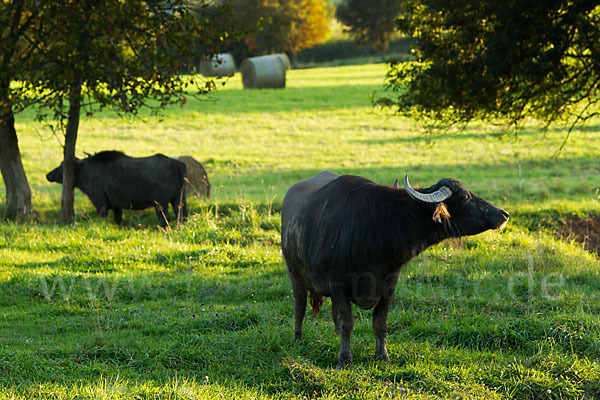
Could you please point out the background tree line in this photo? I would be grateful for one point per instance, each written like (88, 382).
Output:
(502, 62)
(291, 26)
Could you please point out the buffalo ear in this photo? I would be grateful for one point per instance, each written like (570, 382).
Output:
(441, 213)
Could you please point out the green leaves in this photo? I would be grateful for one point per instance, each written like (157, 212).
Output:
(503, 61)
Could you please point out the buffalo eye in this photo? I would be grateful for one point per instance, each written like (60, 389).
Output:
(466, 197)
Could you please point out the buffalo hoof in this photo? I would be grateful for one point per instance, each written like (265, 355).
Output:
(344, 362)
(382, 356)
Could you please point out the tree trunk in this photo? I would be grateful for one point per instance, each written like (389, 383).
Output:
(18, 193)
(67, 212)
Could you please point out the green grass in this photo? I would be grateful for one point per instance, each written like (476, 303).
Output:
(94, 311)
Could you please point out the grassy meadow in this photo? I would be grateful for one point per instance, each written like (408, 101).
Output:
(204, 310)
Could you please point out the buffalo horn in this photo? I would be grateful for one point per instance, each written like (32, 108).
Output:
(436, 197)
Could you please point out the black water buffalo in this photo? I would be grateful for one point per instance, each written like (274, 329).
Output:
(115, 181)
(346, 237)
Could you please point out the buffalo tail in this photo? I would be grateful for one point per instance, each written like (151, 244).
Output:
(316, 301)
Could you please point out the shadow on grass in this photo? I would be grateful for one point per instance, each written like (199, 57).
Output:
(471, 132)
(317, 98)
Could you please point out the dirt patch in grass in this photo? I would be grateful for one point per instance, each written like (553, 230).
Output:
(584, 230)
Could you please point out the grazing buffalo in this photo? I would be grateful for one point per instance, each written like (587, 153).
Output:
(115, 181)
(346, 237)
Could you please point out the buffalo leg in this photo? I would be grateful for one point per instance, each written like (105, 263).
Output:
(179, 207)
(299, 307)
(102, 211)
(162, 212)
(380, 314)
(118, 215)
(344, 325)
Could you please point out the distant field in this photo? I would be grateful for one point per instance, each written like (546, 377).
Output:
(204, 310)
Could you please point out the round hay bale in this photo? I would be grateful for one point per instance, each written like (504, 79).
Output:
(219, 66)
(197, 179)
(265, 72)
(285, 60)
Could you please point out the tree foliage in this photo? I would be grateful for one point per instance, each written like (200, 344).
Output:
(505, 61)
(370, 23)
(16, 17)
(287, 25)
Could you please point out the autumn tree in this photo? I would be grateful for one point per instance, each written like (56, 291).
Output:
(502, 61)
(122, 54)
(370, 23)
(287, 25)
